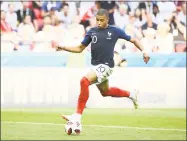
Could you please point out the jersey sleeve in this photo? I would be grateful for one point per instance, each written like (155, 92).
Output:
(122, 34)
(87, 39)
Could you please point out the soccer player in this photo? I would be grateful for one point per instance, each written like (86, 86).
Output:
(102, 39)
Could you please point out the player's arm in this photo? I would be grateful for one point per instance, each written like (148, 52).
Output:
(181, 28)
(135, 41)
(77, 49)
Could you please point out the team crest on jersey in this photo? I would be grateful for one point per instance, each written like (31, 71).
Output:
(109, 35)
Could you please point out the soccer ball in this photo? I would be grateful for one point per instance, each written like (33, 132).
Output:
(73, 127)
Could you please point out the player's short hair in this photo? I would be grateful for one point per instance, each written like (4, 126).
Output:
(102, 12)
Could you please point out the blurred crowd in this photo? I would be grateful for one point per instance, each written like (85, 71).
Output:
(37, 26)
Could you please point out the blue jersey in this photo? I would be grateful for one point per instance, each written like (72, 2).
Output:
(102, 44)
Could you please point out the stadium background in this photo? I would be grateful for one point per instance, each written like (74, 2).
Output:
(36, 81)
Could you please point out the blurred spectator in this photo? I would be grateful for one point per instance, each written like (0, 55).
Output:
(76, 26)
(64, 15)
(17, 5)
(36, 5)
(54, 20)
(4, 6)
(181, 27)
(5, 27)
(133, 5)
(41, 44)
(110, 6)
(11, 17)
(128, 46)
(140, 17)
(182, 14)
(47, 21)
(72, 8)
(75, 31)
(133, 32)
(147, 6)
(142, 5)
(9, 42)
(149, 42)
(25, 11)
(28, 10)
(58, 22)
(149, 23)
(60, 32)
(9, 39)
(156, 17)
(48, 29)
(90, 13)
(47, 6)
(92, 23)
(26, 31)
(179, 5)
(132, 19)
(86, 10)
(181, 47)
(164, 39)
(166, 7)
(120, 16)
(171, 20)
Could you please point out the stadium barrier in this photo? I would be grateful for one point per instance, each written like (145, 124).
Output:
(33, 59)
(55, 86)
(157, 60)
(64, 59)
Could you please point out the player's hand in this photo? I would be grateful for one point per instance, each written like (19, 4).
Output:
(146, 57)
(58, 48)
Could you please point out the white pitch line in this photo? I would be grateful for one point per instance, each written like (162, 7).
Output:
(103, 126)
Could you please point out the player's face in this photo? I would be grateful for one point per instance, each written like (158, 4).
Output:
(102, 21)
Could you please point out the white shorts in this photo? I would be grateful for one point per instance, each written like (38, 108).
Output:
(103, 72)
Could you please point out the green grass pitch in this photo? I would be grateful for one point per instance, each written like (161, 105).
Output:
(98, 124)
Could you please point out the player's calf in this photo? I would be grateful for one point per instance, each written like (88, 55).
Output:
(115, 92)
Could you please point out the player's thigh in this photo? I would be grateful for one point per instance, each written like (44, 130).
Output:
(103, 87)
(91, 76)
